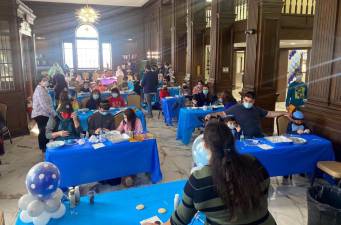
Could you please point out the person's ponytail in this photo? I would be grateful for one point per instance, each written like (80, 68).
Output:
(236, 179)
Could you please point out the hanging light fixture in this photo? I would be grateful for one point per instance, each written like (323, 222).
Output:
(87, 15)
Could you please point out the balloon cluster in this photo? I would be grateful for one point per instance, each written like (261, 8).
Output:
(295, 64)
(43, 200)
(201, 156)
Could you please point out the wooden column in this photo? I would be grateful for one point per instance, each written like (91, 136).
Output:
(221, 41)
(178, 38)
(262, 53)
(323, 109)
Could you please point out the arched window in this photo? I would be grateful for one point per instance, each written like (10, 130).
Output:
(87, 47)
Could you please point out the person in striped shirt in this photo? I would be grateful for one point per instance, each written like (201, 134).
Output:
(231, 190)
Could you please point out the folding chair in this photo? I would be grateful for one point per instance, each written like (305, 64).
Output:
(282, 124)
(332, 168)
(5, 130)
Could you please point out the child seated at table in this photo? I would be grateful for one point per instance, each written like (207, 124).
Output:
(102, 119)
(297, 125)
(85, 88)
(164, 92)
(233, 126)
(116, 100)
(130, 123)
(95, 99)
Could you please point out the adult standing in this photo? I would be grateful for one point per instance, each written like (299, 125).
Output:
(249, 116)
(42, 109)
(149, 84)
(59, 85)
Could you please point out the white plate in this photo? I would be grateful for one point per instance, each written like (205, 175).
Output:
(298, 140)
(55, 144)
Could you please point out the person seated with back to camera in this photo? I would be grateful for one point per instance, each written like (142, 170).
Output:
(164, 92)
(116, 100)
(203, 98)
(65, 125)
(102, 119)
(297, 125)
(95, 99)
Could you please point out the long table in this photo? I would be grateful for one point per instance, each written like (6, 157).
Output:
(81, 164)
(84, 117)
(289, 159)
(171, 107)
(118, 207)
(189, 119)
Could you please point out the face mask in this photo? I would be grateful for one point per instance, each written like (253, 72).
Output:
(220, 100)
(95, 97)
(65, 115)
(70, 97)
(45, 84)
(231, 126)
(247, 105)
(104, 113)
(115, 95)
(205, 92)
(298, 78)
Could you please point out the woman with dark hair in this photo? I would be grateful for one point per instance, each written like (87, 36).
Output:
(130, 123)
(59, 85)
(94, 101)
(65, 125)
(42, 109)
(232, 189)
(116, 99)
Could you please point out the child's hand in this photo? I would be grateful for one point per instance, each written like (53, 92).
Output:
(300, 131)
(238, 128)
(307, 131)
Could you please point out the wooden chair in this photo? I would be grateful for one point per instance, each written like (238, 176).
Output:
(134, 100)
(2, 218)
(282, 124)
(332, 168)
(118, 118)
(5, 130)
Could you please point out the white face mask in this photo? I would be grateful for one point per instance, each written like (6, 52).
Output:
(299, 78)
(231, 126)
(95, 97)
(115, 95)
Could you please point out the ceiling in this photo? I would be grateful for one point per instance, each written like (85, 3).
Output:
(134, 3)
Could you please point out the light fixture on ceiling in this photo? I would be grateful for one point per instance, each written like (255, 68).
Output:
(87, 15)
(130, 39)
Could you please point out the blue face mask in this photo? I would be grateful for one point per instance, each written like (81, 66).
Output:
(247, 105)
(104, 113)
(95, 97)
(205, 92)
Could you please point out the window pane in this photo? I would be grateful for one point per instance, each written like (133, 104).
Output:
(106, 51)
(87, 54)
(86, 31)
(6, 67)
(68, 54)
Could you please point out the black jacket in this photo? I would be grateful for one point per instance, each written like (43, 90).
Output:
(150, 82)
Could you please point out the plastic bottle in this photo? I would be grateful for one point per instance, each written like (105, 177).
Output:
(77, 195)
(72, 198)
(242, 137)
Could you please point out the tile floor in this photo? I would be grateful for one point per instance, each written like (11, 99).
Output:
(287, 201)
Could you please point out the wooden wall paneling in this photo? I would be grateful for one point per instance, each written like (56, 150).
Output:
(282, 81)
(322, 52)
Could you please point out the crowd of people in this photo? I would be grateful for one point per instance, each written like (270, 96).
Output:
(217, 189)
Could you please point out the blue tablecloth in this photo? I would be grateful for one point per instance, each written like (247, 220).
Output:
(291, 158)
(84, 117)
(118, 208)
(189, 119)
(171, 108)
(81, 164)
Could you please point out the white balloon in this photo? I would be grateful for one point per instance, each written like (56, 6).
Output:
(52, 205)
(25, 200)
(58, 194)
(24, 217)
(43, 219)
(35, 208)
(59, 213)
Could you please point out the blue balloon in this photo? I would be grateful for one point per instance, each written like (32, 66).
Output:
(200, 153)
(42, 180)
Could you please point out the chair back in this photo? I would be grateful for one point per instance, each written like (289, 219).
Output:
(84, 101)
(118, 118)
(3, 111)
(282, 125)
(134, 100)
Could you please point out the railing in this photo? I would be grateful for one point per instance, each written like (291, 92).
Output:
(299, 7)
(290, 7)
